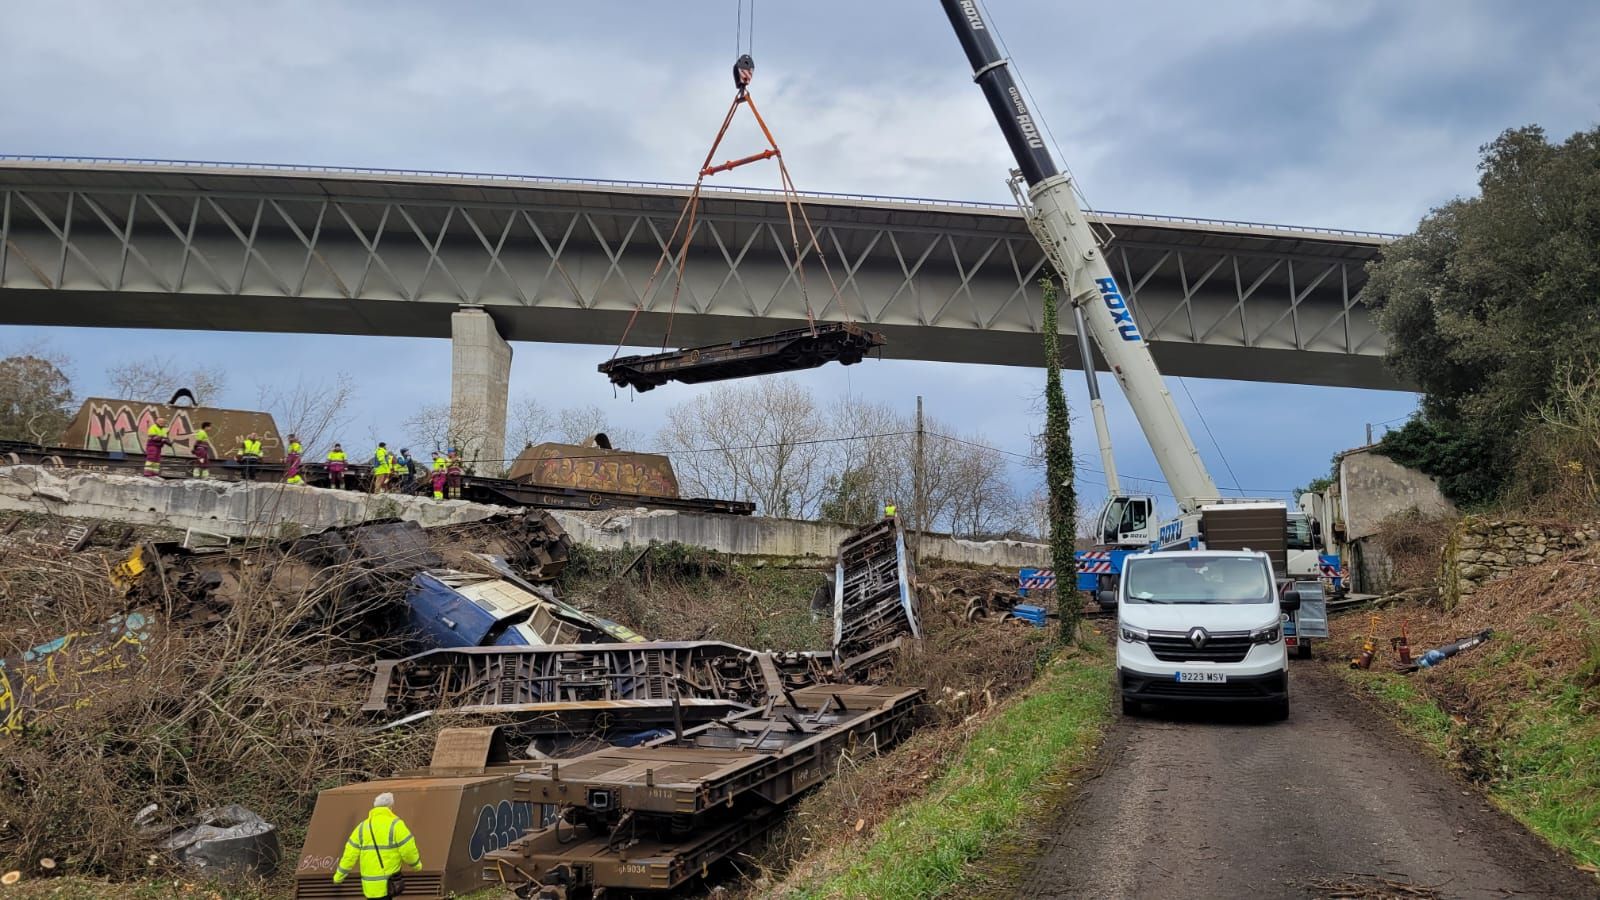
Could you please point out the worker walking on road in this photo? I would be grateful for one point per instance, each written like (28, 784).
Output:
(249, 455)
(201, 448)
(336, 463)
(441, 471)
(291, 462)
(382, 465)
(155, 440)
(376, 850)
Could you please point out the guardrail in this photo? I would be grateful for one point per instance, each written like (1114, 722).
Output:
(292, 168)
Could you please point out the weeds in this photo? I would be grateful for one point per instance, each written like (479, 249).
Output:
(987, 795)
(204, 715)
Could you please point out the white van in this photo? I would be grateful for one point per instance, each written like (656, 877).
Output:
(1202, 625)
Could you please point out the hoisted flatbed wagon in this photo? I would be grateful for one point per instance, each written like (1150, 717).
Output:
(786, 351)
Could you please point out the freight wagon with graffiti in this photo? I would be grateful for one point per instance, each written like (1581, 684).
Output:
(595, 468)
(120, 426)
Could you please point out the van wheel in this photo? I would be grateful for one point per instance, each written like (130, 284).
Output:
(1131, 707)
(1278, 710)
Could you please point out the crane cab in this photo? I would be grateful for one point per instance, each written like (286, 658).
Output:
(1128, 521)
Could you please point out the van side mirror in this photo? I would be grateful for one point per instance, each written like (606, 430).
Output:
(1106, 598)
(1290, 601)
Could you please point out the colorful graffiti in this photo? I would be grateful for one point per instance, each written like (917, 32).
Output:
(66, 672)
(588, 468)
(121, 426)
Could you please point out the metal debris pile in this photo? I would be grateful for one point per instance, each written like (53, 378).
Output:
(574, 755)
(631, 764)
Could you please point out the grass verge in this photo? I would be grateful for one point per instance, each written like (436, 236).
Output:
(1538, 756)
(988, 795)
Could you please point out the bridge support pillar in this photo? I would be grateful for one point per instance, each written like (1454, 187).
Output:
(480, 382)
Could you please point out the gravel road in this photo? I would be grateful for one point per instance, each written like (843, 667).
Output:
(1224, 804)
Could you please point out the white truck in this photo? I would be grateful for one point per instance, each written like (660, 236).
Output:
(1202, 625)
(1127, 523)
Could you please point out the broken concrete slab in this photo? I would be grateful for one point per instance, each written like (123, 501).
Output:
(235, 509)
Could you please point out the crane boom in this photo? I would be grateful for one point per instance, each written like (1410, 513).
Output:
(1063, 231)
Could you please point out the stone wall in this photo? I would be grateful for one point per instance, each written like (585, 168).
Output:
(1481, 550)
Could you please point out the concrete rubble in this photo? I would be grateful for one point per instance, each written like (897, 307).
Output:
(232, 509)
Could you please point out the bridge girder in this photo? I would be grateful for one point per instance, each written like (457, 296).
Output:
(168, 246)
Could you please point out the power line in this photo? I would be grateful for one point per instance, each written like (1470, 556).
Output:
(1207, 426)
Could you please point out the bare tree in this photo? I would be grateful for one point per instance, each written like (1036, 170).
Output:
(441, 426)
(982, 501)
(154, 381)
(579, 423)
(762, 441)
(316, 411)
(528, 422)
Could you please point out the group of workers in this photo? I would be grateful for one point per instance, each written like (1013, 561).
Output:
(390, 472)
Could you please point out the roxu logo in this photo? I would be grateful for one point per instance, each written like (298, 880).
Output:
(1121, 316)
(1172, 530)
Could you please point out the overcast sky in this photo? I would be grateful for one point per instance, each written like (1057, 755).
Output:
(1347, 114)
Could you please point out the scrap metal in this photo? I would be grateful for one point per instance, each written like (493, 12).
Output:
(875, 598)
(661, 814)
(536, 679)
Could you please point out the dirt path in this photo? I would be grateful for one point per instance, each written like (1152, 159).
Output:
(1227, 805)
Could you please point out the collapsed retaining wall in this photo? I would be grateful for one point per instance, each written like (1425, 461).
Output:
(754, 536)
(272, 510)
(234, 509)
(1481, 550)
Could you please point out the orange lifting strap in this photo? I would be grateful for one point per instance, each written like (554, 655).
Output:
(743, 70)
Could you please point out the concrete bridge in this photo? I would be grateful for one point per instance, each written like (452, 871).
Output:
(140, 244)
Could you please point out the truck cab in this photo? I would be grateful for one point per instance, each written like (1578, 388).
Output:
(1202, 626)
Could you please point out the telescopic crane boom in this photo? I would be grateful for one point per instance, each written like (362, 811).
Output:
(1063, 231)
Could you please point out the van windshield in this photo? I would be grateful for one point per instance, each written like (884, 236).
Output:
(1200, 579)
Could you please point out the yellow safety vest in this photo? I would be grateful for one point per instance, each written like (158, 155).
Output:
(294, 447)
(380, 458)
(252, 448)
(383, 831)
(156, 431)
(336, 456)
(440, 464)
(200, 436)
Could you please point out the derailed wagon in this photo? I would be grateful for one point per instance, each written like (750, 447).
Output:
(786, 351)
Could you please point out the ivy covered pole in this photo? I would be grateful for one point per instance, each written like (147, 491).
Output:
(1058, 471)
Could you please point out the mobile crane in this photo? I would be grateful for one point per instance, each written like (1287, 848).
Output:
(1101, 312)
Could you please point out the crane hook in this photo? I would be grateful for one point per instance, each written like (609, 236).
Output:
(744, 69)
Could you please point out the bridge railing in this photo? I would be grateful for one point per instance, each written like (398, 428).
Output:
(292, 168)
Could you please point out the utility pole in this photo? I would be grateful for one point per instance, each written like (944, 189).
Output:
(918, 476)
(1369, 434)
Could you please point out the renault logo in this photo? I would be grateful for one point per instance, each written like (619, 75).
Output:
(1198, 637)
